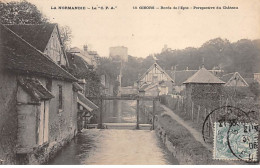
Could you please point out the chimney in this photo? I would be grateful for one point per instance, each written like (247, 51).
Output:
(85, 47)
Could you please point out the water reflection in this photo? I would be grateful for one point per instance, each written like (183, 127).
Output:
(114, 147)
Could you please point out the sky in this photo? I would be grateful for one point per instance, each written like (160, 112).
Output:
(146, 32)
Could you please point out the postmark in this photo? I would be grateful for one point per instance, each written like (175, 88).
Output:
(235, 133)
(235, 141)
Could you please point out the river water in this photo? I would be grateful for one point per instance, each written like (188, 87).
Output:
(110, 147)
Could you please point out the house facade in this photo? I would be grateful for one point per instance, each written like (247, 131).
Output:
(156, 75)
(87, 110)
(38, 103)
(234, 80)
(44, 37)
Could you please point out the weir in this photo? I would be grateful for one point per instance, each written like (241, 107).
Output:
(136, 125)
(121, 126)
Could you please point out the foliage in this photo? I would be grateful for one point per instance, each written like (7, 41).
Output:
(108, 67)
(66, 36)
(242, 56)
(255, 89)
(27, 13)
(20, 13)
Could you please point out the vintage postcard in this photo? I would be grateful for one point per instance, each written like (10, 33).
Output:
(129, 82)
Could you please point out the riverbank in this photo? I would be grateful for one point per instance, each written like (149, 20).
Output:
(182, 142)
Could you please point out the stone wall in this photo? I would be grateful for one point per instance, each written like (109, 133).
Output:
(8, 117)
(62, 122)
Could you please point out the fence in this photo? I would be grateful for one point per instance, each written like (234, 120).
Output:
(196, 112)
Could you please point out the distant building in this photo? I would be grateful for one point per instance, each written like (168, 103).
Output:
(119, 53)
(257, 77)
(204, 89)
(86, 109)
(234, 80)
(91, 57)
(166, 49)
(181, 76)
(156, 75)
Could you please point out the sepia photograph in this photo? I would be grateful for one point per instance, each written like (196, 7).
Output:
(129, 82)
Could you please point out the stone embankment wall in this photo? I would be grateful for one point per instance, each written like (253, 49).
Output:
(180, 142)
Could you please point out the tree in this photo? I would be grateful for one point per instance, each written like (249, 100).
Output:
(255, 89)
(27, 13)
(20, 13)
(66, 35)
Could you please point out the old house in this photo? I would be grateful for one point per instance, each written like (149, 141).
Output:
(234, 80)
(204, 89)
(156, 75)
(44, 37)
(38, 104)
(86, 109)
(181, 76)
(90, 57)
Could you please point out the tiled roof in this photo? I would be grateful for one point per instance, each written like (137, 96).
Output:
(89, 105)
(227, 77)
(83, 54)
(77, 87)
(34, 88)
(36, 35)
(249, 80)
(78, 66)
(204, 76)
(181, 76)
(23, 58)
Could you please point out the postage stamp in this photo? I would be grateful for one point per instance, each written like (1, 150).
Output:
(235, 141)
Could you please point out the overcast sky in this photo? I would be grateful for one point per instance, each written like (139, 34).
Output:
(146, 31)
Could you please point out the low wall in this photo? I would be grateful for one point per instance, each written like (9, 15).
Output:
(44, 153)
(181, 144)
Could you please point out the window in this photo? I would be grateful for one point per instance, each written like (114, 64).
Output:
(49, 85)
(60, 98)
(43, 132)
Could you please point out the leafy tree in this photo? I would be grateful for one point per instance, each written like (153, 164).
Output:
(27, 13)
(66, 35)
(20, 13)
(255, 89)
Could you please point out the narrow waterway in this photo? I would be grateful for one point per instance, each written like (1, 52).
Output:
(110, 147)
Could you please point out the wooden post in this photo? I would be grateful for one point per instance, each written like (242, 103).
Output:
(198, 114)
(100, 125)
(205, 112)
(192, 104)
(154, 110)
(137, 114)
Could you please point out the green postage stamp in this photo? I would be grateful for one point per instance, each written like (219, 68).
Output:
(235, 141)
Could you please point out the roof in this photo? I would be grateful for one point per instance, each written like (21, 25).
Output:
(228, 77)
(159, 68)
(78, 65)
(203, 76)
(21, 57)
(89, 105)
(249, 80)
(36, 35)
(181, 76)
(83, 54)
(34, 88)
(77, 87)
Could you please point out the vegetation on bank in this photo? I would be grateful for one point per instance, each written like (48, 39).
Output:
(188, 150)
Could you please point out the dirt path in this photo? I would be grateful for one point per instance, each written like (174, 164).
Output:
(197, 135)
